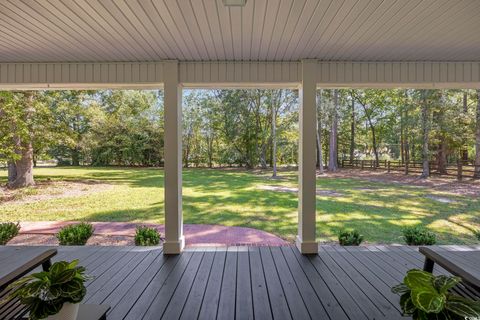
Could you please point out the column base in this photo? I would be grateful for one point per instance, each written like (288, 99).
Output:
(306, 247)
(174, 247)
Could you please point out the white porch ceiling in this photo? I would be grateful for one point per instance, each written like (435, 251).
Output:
(263, 30)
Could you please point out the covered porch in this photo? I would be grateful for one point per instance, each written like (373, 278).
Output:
(233, 43)
(303, 45)
(248, 282)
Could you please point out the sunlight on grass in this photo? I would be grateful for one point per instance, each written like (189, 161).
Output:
(234, 198)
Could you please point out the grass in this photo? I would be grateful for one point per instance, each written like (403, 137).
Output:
(232, 198)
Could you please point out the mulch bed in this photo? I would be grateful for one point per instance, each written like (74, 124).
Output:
(51, 240)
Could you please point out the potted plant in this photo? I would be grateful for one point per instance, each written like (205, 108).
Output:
(52, 294)
(425, 296)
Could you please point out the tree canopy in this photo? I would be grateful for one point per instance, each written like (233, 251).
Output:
(237, 127)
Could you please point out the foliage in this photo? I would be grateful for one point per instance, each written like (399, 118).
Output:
(75, 234)
(146, 236)
(234, 127)
(8, 230)
(425, 296)
(418, 236)
(350, 238)
(44, 293)
(477, 234)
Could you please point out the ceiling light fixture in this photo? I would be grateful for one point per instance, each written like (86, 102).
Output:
(234, 3)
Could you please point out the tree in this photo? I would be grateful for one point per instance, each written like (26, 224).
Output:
(352, 130)
(465, 111)
(333, 146)
(274, 140)
(425, 134)
(439, 116)
(246, 128)
(374, 103)
(319, 131)
(477, 137)
(69, 109)
(17, 126)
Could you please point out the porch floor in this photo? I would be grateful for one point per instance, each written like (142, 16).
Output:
(241, 282)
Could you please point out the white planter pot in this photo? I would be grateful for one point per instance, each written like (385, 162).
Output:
(69, 311)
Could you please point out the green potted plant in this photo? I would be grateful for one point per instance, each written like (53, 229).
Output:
(53, 294)
(425, 296)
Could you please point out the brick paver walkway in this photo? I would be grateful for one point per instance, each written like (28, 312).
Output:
(195, 234)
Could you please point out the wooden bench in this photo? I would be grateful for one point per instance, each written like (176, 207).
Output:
(463, 262)
(15, 262)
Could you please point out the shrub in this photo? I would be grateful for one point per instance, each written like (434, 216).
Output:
(418, 236)
(146, 236)
(75, 234)
(425, 296)
(44, 293)
(477, 234)
(8, 230)
(350, 238)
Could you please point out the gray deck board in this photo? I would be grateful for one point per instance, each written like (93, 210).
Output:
(243, 304)
(226, 306)
(248, 283)
(193, 304)
(209, 307)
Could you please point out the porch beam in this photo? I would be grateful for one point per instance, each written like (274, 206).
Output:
(174, 239)
(306, 238)
(207, 74)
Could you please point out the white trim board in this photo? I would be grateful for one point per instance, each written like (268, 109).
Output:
(234, 74)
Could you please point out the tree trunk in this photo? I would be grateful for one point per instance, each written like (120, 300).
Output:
(20, 172)
(477, 138)
(274, 141)
(407, 144)
(12, 172)
(319, 132)
(263, 157)
(442, 156)
(210, 151)
(374, 142)
(465, 111)
(24, 168)
(425, 134)
(332, 160)
(352, 132)
(402, 136)
(75, 157)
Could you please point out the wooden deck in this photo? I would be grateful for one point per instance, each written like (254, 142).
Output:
(246, 283)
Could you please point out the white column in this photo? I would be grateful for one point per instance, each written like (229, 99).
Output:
(306, 238)
(174, 240)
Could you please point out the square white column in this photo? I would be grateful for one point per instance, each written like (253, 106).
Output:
(174, 239)
(306, 238)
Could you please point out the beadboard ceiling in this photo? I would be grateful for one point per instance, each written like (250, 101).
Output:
(262, 30)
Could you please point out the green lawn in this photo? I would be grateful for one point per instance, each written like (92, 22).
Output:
(233, 198)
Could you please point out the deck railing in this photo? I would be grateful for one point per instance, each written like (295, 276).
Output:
(460, 170)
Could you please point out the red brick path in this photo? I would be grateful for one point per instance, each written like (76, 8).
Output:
(195, 234)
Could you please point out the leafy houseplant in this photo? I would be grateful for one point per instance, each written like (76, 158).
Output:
(146, 236)
(54, 292)
(425, 296)
(75, 234)
(418, 236)
(350, 238)
(8, 230)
